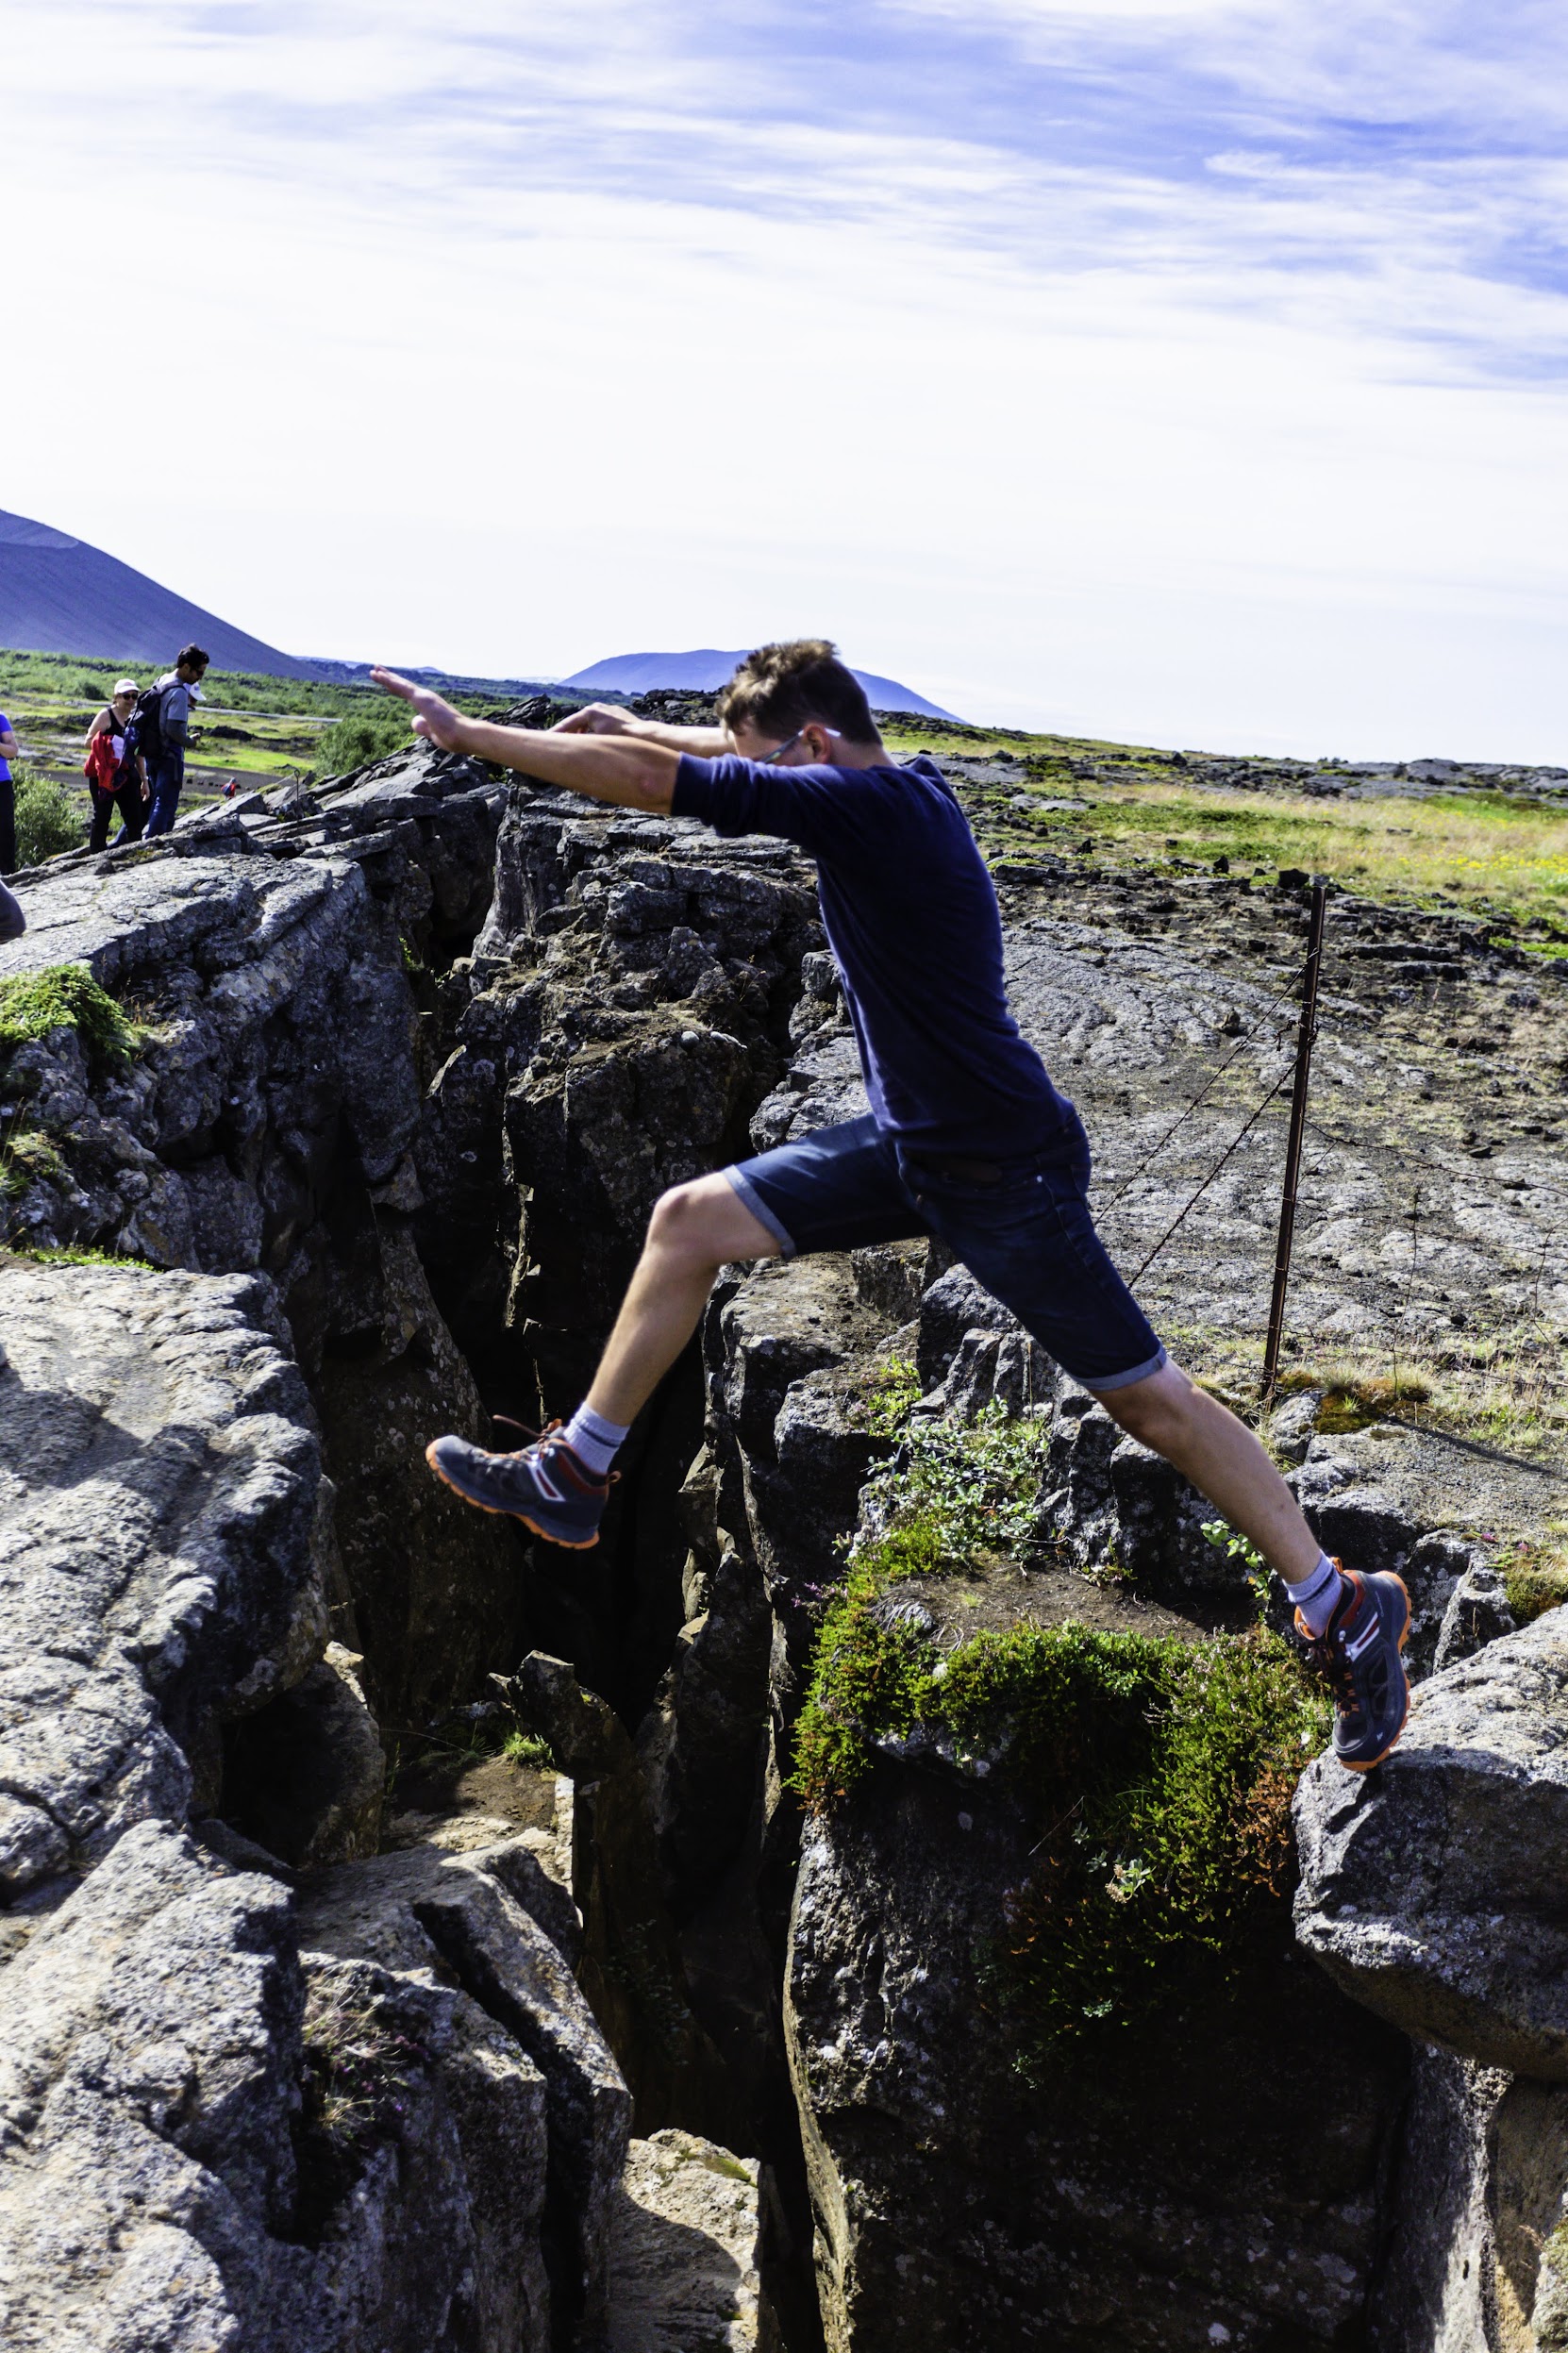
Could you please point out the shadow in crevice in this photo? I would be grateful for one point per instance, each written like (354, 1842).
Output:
(671, 2285)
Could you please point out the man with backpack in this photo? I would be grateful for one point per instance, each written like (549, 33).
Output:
(161, 728)
(116, 774)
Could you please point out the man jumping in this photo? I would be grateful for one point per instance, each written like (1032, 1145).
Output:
(966, 1138)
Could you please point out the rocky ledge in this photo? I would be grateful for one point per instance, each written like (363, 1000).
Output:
(283, 2066)
(320, 2105)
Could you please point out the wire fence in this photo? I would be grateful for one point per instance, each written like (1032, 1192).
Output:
(1296, 986)
(1504, 1365)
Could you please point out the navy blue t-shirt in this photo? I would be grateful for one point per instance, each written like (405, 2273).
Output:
(911, 916)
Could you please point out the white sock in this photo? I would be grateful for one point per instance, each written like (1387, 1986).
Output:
(592, 1440)
(1317, 1597)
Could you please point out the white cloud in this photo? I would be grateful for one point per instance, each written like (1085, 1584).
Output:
(1172, 385)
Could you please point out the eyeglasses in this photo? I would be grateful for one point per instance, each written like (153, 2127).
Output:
(771, 759)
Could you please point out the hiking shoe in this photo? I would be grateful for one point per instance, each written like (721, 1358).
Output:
(544, 1484)
(1359, 1655)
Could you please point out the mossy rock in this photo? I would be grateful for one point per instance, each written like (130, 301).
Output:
(66, 997)
(1157, 1775)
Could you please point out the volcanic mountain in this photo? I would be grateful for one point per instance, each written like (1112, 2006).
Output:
(704, 670)
(58, 596)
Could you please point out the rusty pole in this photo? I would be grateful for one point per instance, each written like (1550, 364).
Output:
(1304, 1036)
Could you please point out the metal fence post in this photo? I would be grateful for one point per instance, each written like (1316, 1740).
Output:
(1304, 1036)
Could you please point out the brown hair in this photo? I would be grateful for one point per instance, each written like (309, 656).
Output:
(778, 687)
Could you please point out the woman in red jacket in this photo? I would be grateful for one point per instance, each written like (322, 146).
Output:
(113, 778)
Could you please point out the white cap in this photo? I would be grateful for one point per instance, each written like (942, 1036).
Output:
(127, 686)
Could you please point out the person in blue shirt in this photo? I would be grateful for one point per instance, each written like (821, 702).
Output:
(9, 749)
(966, 1137)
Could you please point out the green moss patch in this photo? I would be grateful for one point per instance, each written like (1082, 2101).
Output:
(1167, 1771)
(68, 1256)
(1535, 1576)
(1352, 1402)
(1158, 1773)
(66, 997)
(1155, 1773)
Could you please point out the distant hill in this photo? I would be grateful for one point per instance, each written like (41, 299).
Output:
(638, 674)
(58, 596)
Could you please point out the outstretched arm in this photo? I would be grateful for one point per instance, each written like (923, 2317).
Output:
(609, 719)
(623, 769)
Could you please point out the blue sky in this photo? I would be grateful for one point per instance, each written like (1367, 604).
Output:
(1191, 372)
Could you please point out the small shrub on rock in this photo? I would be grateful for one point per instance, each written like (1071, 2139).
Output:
(374, 733)
(1535, 1576)
(27, 1156)
(1160, 1772)
(357, 2083)
(974, 1485)
(1165, 1771)
(48, 822)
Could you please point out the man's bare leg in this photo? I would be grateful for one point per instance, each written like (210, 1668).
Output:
(1223, 1459)
(1359, 1620)
(558, 1485)
(693, 1231)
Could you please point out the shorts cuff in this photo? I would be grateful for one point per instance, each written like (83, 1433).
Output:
(1123, 1381)
(764, 1217)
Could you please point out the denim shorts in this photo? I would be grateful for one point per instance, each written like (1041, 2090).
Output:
(1026, 1235)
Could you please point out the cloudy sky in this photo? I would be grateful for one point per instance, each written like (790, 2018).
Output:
(1194, 373)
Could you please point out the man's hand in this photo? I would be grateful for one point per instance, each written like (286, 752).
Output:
(609, 719)
(599, 719)
(431, 716)
(629, 771)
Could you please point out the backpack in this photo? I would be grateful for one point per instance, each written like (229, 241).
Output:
(144, 729)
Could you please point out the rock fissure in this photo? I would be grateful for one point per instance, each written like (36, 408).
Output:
(408, 1084)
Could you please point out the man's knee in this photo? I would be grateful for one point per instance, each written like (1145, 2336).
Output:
(680, 1226)
(705, 1224)
(1154, 1411)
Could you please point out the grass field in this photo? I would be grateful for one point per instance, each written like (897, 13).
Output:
(68, 679)
(1490, 853)
(246, 726)
(1505, 857)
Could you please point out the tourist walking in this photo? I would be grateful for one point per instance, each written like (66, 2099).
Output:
(9, 749)
(162, 730)
(116, 772)
(966, 1140)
